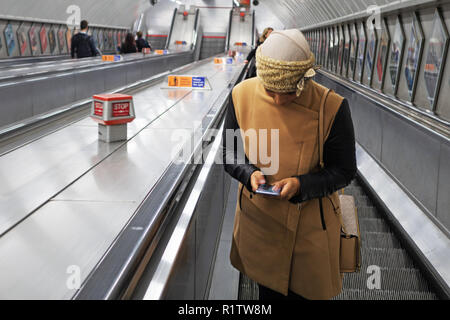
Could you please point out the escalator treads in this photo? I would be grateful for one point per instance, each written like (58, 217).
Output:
(400, 278)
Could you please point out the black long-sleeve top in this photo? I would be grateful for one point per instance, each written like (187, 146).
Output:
(338, 155)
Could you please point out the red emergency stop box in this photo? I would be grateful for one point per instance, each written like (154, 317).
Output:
(112, 112)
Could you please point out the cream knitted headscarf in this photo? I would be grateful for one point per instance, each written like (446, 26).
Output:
(284, 62)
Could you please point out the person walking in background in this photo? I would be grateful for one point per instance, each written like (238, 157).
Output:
(129, 46)
(83, 45)
(141, 43)
(266, 33)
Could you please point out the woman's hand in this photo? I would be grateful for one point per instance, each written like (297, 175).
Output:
(257, 179)
(289, 187)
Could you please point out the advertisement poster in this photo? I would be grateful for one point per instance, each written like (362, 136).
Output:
(100, 39)
(110, 40)
(69, 39)
(370, 55)
(22, 41)
(382, 55)
(43, 38)
(9, 37)
(33, 41)
(434, 57)
(353, 49)
(346, 50)
(119, 39)
(52, 40)
(341, 48)
(396, 52)
(361, 49)
(61, 42)
(412, 59)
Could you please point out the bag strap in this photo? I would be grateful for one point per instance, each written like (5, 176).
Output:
(321, 126)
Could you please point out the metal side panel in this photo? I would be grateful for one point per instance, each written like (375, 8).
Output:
(52, 92)
(115, 77)
(88, 83)
(431, 243)
(18, 99)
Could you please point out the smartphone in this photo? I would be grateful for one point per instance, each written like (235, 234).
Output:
(266, 190)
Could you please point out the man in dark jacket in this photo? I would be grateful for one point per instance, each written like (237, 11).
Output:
(83, 45)
(141, 42)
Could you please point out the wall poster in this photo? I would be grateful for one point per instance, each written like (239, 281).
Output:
(398, 43)
(346, 50)
(9, 37)
(22, 41)
(382, 53)
(61, 41)
(353, 50)
(34, 42)
(44, 39)
(436, 52)
(371, 51)
(69, 39)
(414, 54)
(52, 40)
(361, 52)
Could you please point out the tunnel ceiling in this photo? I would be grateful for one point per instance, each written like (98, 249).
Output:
(304, 13)
(279, 14)
(103, 12)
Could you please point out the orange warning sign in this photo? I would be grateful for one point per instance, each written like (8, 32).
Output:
(179, 81)
(107, 58)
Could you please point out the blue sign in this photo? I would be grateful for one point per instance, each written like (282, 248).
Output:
(229, 61)
(198, 82)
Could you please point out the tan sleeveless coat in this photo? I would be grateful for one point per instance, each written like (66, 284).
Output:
(276, 243)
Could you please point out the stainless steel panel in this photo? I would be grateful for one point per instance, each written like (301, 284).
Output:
(443, 199)
(13, 98)
(36, 172)
(134, 72)
(51, 93)
(88, 83)
(367, 119)
(412, 156)
(115, 77)
(209, 218)
(37, 256)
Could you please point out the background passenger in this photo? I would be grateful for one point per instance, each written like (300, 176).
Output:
(266, 33)
(83, 45)
(141, 42)
(129, 46)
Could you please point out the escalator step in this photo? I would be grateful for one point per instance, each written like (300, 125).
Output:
(248, 289)
(373, 225)
(379, 240)
(386, 258)
(399, 280)
(368, 212)
(355, 294)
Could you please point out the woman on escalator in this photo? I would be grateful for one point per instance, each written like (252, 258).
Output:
(129, 46)
(288, 243)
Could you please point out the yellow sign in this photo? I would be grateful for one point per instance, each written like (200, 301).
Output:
(187, 81)
(179, 81)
